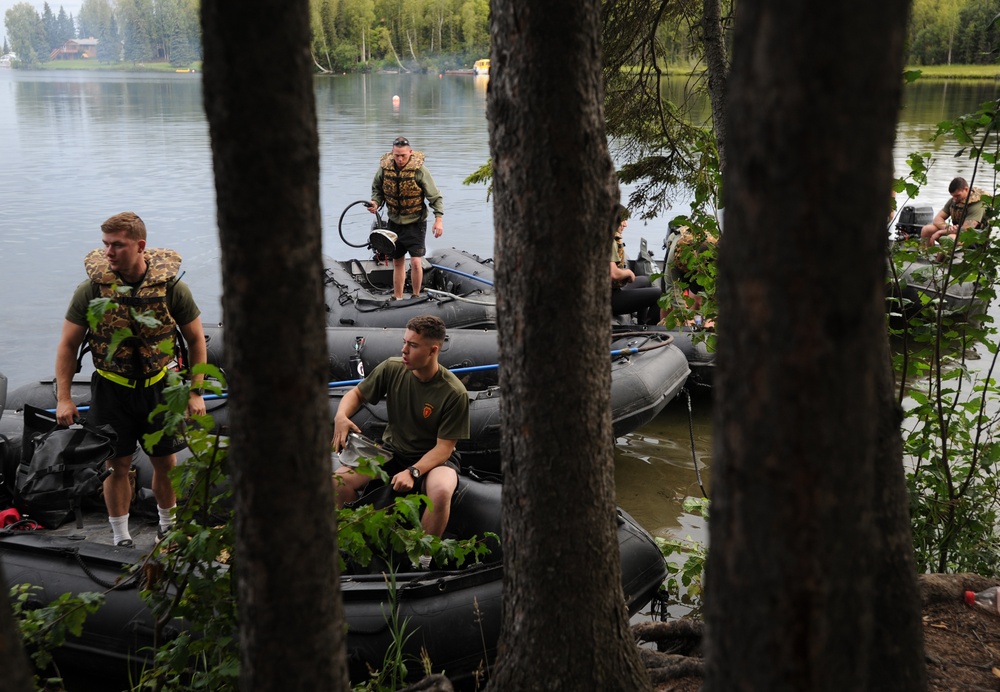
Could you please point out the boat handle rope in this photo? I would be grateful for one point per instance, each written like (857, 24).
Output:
(694, 456)
(455, 296)
(127, 584)
(467, 275)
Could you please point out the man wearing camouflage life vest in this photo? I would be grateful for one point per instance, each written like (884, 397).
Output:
(965, 208)
(406, 188)
(129, 381)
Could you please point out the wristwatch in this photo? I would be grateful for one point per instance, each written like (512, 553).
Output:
(414, 471)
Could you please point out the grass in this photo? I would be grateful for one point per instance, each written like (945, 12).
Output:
(927, 71)
(94, 65)
(957, 71)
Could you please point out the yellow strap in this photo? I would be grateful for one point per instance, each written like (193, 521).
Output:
(126, 382)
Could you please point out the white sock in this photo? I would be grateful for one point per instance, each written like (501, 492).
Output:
(119, 525)
(166, 516)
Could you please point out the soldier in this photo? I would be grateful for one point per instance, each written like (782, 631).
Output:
(406, 188)
(129, 381)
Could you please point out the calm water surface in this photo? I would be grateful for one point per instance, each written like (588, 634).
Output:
(77, 148)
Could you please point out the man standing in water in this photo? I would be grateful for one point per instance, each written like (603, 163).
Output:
(406, 188)
(428, 412)
(130, 379)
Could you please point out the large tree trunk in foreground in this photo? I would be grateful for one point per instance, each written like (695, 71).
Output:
(17, 671)
(564, 621)
(810, 577)
(261, 113)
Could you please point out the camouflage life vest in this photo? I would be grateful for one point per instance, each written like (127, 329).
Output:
(686, 239)
(619, 249)
(402, 195)
(138, 356)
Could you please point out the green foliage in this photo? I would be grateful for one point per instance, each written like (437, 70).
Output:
(685, 560)
(367, 531)
(45, 628)
(951, 448)
(699, 257)
(484, 175)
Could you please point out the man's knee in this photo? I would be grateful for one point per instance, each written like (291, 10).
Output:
(120, 466)
(441, 483)
(163, 464)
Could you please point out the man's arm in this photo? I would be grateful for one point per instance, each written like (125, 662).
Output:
(377, 198)
(69, 345)
(433, 197)
(617, 273)
(437, 455)
(342, 423)
(194, 336)
(941, 219)
(973, 216)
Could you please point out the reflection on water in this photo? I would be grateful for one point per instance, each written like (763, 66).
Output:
(655, 469)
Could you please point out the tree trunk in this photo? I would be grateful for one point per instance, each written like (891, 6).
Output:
(810, 582)
(564, 621)
(717, 69)
(18, 674)
(262, 118)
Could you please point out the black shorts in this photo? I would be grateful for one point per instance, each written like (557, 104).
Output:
(127, 411)
(400, 463)
(410, 238)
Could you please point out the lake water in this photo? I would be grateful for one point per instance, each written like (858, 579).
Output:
(76, 148)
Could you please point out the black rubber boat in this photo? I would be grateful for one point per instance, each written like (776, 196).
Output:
(647, 372)
(923, 280)
(454, 614)
(457, 287)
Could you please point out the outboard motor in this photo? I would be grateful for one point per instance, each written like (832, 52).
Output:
(912, 218)
(643, 264)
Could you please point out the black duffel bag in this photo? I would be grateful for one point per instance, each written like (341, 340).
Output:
(60, 467)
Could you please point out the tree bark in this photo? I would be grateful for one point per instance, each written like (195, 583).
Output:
(554, 209)
(18, 674)
(811, 566)
(717, 69)
(262, 118)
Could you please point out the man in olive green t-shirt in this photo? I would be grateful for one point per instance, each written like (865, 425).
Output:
(428, 411)
(131, 373)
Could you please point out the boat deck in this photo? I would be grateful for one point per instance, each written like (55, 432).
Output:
(97, 530)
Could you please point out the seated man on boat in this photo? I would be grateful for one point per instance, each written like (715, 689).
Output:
(630, 293)
(965, 209)
(428, 412)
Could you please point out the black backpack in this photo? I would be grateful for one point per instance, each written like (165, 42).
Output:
(60, 467)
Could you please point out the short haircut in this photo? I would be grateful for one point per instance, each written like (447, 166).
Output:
(622, 212)
(428, 326)
(957, 184)
(127, 221)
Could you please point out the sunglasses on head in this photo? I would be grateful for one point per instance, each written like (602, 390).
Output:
(401, 142)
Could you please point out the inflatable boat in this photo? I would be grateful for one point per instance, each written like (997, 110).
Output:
(647, 372)
(922, 280)
(453, 614)
(457, 287)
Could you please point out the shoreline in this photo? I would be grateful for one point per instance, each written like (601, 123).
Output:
(928, 72)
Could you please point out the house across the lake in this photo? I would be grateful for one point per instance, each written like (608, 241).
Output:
(74, 49)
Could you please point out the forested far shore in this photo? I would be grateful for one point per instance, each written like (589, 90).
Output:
(420, 35)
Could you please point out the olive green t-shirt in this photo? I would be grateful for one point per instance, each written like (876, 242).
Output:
(420, 413)
(180, 303)
(975, 213)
